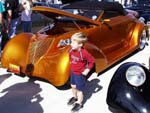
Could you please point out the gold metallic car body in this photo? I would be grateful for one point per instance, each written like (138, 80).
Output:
(45, 54)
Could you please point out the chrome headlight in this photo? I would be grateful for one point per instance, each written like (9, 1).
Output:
(135, 75)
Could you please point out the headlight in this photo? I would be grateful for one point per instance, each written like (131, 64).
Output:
(135, 75)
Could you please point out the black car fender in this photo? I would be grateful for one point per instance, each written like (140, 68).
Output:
(128, 98)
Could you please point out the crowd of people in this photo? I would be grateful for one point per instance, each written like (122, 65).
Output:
(13, 12)
(2, 10)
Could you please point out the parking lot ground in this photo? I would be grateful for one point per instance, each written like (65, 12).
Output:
(24, 95)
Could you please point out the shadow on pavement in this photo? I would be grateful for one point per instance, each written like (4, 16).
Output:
(21, 98)
(4, 77)
(91, 88)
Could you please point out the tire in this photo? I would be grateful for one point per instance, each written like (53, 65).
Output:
(142, 41)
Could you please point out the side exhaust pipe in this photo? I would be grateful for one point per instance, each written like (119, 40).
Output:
(29, 69)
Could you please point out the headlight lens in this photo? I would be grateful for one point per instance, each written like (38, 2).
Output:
(135, 75)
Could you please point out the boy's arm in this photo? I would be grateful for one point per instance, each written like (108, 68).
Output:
(86, 71)
(90, 60)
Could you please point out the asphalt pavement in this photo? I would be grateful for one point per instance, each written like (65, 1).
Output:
(24, 95)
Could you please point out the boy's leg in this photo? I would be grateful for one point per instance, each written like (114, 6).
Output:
(80, 97)
(80, 84)
(78, 105)
(73, 99)
(74, 90)
(73, 85)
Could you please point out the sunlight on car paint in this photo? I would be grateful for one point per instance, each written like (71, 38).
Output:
(128, 95)
(64, 63)
(135, 35)
(144, 110)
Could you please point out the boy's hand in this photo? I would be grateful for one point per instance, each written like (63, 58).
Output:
(85, 72)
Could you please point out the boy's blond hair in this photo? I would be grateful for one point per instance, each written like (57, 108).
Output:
(80, 37)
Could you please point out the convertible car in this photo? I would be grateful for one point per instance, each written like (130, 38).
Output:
(45, 53)
(129, 89)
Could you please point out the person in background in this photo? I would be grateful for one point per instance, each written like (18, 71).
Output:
(132, 13)
(81, 63)
(11, 16)
(2, 9)
(26, 16)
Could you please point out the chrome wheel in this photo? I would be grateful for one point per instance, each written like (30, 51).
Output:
(142, 40)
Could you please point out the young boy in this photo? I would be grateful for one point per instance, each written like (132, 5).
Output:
(81, 63)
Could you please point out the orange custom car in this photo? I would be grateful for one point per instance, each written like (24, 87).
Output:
(45, 53)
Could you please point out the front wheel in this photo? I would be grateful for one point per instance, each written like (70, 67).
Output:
(142, 40)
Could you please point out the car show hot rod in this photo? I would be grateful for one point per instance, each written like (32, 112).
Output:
(112, 35)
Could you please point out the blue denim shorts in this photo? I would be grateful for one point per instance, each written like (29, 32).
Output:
(78, 80)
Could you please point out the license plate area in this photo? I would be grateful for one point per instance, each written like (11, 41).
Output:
(14, 68)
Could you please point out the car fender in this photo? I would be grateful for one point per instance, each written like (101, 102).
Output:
(137, 34)
(15, 50)
(54, 67)
(121, 95)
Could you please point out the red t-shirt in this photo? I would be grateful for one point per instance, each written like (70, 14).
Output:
(80, 60)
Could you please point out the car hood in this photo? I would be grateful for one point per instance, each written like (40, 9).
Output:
(57, 13)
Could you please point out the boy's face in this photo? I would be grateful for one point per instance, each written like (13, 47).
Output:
(75, 45)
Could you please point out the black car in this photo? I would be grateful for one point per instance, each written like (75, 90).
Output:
(143, 7)
(129, 89)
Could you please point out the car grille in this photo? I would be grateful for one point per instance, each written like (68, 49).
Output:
(37, 49)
